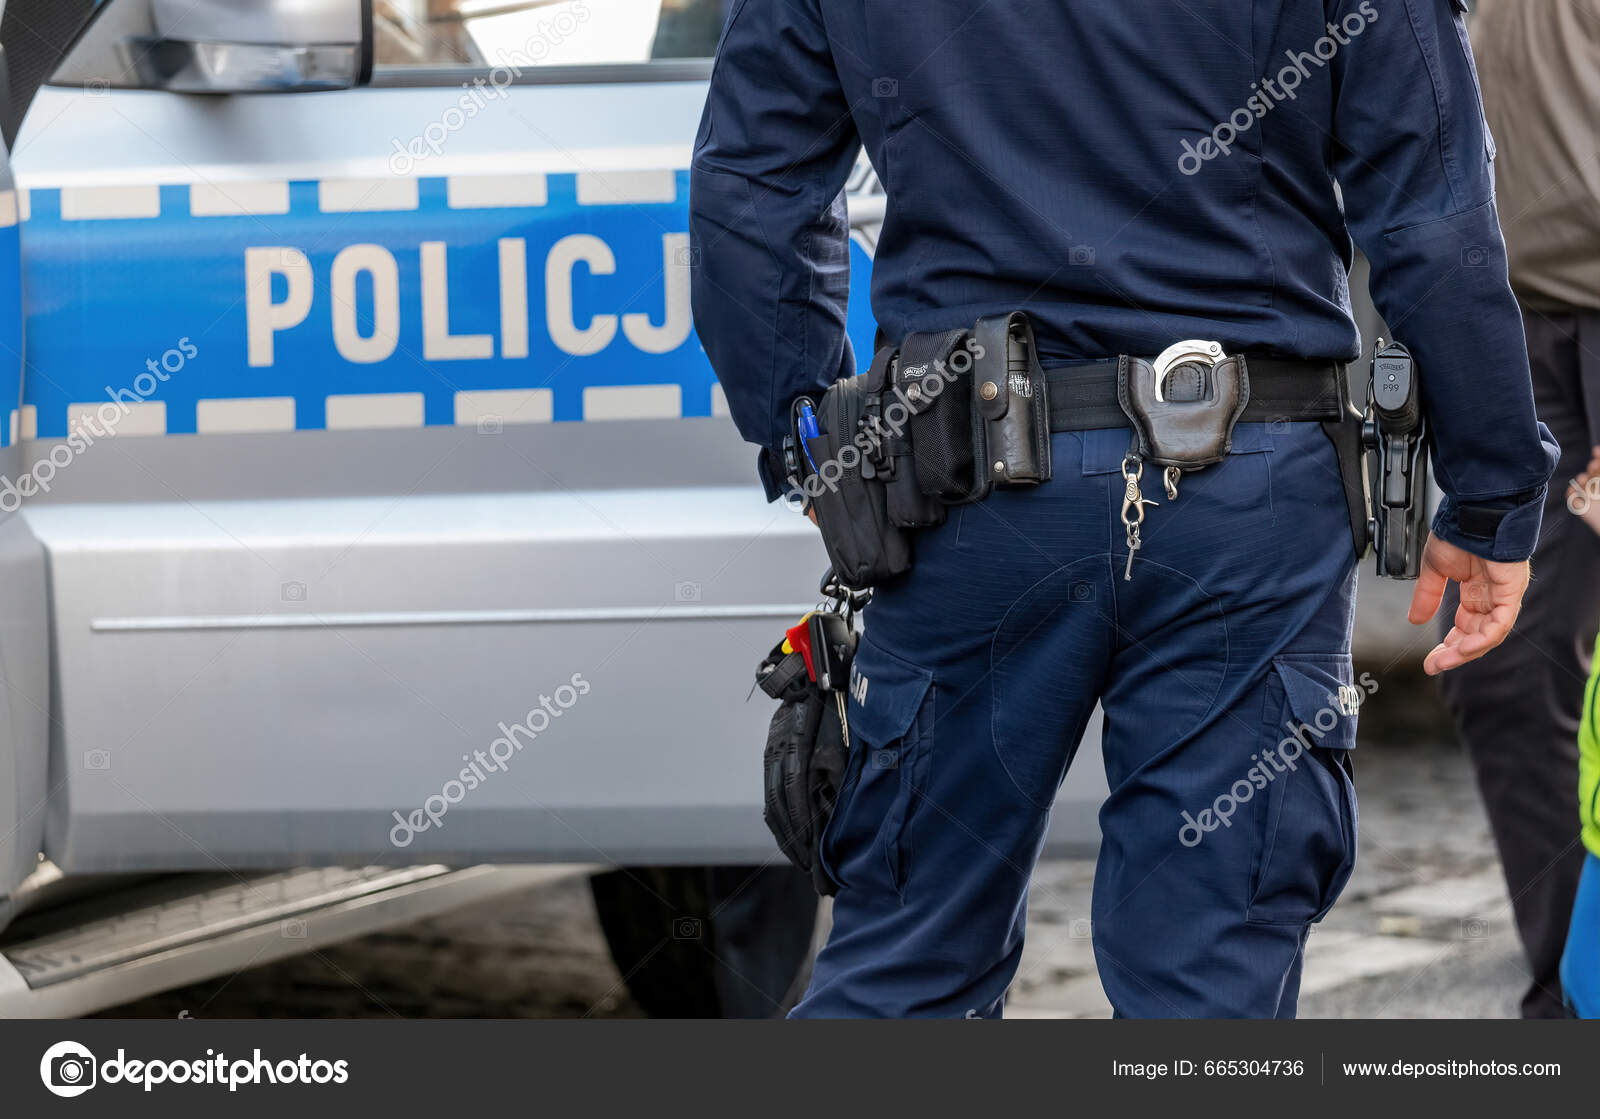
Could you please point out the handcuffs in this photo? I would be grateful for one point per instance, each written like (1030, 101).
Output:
(1182, 430)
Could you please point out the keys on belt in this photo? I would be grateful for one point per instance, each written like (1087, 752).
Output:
(1179, 434)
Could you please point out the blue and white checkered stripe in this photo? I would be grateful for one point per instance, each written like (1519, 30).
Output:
(122, 282)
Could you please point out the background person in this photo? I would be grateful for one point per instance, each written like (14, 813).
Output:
(1517, 711)
(1580, 963)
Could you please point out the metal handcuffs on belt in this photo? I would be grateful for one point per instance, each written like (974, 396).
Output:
(1180, 430)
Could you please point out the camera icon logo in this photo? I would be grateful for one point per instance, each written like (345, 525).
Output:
(294, 592)
(1080, 256)
(490, 425)
(885, 759)
(1081, 928)
(686, 592)
(1083, 591)
(1474, 928)
(1474, 256)
(68, 1069)
(97, 87)
(688, 256)
(292, 928)
(885, 87)
(685, 928)
(99, 760)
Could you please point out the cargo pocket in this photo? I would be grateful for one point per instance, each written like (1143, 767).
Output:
(867, 842)
(1305, 824)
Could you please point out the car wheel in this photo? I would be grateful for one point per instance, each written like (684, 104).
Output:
(709, 942)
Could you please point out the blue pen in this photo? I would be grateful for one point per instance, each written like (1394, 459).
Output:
(808, 430)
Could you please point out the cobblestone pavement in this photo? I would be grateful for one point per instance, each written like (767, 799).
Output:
(1423, 930)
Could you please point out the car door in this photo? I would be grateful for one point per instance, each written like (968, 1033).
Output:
(24, 699)
(389, 506)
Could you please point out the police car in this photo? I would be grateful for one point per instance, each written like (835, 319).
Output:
(367, 500)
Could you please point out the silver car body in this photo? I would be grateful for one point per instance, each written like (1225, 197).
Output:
(413, 452)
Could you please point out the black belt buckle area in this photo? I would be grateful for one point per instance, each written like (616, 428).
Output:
(1184, 405)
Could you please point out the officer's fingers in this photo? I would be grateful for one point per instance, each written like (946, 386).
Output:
(1443, 659)
(1482, 637)
(1498, 625)
(1471, 612)
(1468, 649)
(1429, 594)
(1443, 656)
(1448, 654)
(1495, 629)
(1464, 644)
(1482, 616)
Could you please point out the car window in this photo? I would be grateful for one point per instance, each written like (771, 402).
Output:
(480, 34)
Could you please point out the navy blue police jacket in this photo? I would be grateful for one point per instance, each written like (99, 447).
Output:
(1132, 173)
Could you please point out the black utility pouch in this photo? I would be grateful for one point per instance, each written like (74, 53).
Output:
(850, 500)
(888, 430)
(1011, 401)
(933, 381)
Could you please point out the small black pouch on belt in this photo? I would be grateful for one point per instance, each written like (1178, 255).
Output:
(933, 382)
(888, 428)
(1011, 400)
(848, 497)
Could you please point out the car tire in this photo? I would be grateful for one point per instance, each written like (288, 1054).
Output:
(709, 942)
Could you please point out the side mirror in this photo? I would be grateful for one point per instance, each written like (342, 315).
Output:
(252, 46)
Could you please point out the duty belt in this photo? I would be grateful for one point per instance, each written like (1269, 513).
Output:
(1083, 395)
(942, 418)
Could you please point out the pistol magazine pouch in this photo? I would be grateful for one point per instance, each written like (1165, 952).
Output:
(888, 429)
(933, 383)
(1189, 424)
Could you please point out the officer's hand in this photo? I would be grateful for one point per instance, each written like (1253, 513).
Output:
(1491, 598)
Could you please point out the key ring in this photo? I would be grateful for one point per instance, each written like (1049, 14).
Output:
(1133, 502)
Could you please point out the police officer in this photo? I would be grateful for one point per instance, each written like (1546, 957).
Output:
(1131, 174)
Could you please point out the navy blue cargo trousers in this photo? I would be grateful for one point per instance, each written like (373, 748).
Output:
(1223, 669)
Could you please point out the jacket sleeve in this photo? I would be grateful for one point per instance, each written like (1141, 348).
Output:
(1413, 157)
(770, 249)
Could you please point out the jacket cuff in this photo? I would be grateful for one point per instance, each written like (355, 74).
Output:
(1502, 529)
